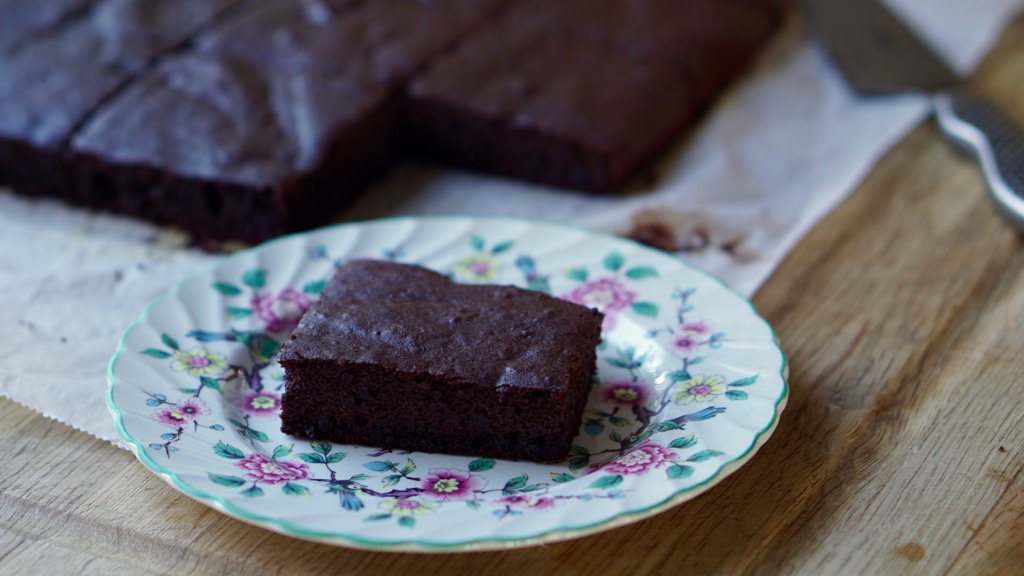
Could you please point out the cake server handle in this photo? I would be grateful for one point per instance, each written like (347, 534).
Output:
(985, 130)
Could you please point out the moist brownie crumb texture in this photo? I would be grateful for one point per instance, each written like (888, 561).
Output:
(246, 119)
(400, 357)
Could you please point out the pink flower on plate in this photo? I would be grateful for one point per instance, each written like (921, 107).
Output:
(192, 407)
(527, 502)
(406, 507)
(696, 328)
(445, 484)
(639, 460)
(262, 404)
(686, 342)
(262, 469)
(607, 295)
(171, 417)
(625, 393)
(188, 409)
(281, 312)
(690, 336)
(479, 267)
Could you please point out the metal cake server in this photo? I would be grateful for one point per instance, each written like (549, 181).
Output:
(877, 53)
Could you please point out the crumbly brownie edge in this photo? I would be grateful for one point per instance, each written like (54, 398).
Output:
(49, 169)
(439, 132)
(366, 405)
(32, 170)
(215, 210)
(163, 197)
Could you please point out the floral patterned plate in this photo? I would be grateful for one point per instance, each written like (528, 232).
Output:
(690, 384)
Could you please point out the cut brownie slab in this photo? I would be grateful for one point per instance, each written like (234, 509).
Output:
(398, 356)
(523, 100)
(230, 149)
(53, 79)
(580, 93)
(270, 121)
(246, 119)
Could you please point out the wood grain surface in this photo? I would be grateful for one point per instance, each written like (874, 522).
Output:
(900, 452)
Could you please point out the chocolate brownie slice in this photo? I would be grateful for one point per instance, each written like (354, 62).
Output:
(229, 149)
(270, 121)
(53, 79)
(398, 356)
(523, 100)
(580, 93)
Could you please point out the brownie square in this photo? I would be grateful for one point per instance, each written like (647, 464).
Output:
(270, 121)
(400, 357)
(230, 149)
(522, 99)
(581, 93)
(53, 77)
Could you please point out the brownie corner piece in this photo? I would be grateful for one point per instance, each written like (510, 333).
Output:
(178, 146)
(521, 99)
(265, 123)
(400, 357)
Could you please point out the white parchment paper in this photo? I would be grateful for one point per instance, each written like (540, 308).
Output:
(779, 150)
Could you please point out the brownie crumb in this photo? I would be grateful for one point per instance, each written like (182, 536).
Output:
(654, 234)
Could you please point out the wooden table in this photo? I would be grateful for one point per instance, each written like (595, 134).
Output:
(901, 450)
